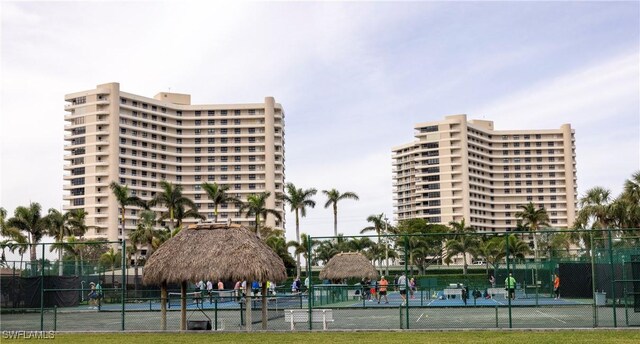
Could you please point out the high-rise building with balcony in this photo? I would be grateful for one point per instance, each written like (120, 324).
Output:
(458, 169)
(139, 141)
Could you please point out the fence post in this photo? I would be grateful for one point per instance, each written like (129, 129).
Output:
(508, 272)
(613, 279)
(593, 280)
(42, 292)
(123, 282)
(215, 314)
(406, 260)
(310, 289)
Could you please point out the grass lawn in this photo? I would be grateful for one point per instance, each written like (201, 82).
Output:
(507, 337)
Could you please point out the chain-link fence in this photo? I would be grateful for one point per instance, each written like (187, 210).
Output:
(546, 279)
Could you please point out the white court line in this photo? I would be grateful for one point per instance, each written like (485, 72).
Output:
(420, 317)
(432, 301)
(552, 317)
(496, 301)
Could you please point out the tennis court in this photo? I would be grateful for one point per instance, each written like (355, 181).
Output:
(345, 318)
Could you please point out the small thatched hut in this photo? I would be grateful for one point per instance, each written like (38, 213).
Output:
(213, 251)
(348, 264)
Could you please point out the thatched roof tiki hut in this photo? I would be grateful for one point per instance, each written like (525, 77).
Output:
(213, 251)
(347, 265)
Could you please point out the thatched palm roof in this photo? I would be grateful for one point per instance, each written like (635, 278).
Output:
(212, 251)
(349, 264)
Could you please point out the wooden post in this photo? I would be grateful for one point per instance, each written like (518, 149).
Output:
(248, 298)
(264, 305)
(183, 305)
(163, 304)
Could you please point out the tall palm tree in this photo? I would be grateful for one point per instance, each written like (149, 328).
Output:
(534, 218)
(125, 199)
(333, 197)
(171, 197)
(256, 206)
(29, 220)
(379, 225)
(299, 200)
(57, 228)
(464, 242)
(218, 196)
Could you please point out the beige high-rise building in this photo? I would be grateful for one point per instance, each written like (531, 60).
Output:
(139, 141)
(458, 169)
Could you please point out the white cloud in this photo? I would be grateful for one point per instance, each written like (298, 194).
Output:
(600, 101)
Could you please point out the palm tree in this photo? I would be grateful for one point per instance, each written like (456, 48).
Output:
(3, 221)
(274, 238)
(359, 244)
(325, 251)
(379, 226)
(630, 201)
(171, 197)
(180, 214)
(145, 232)
(302, 248)
(463, 242)
(517, 248)
(333, 197)
(595, 208)
(124, 199)
(75, 222)
(256, 205)
(489, 249)
(56, 224)
(30, 221)
(111, 259)
(425, 249)
(219, 196)
(73, 247)
(299, 200)
(534, 218)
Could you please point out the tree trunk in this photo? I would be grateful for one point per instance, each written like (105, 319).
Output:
(335, 219)
(61, 267)
(264, 305)
(33, 256)
(163, 305)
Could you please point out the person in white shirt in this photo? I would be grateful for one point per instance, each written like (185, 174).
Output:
(210, 291)
(402, 286)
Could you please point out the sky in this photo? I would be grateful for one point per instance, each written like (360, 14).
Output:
(353, 78)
